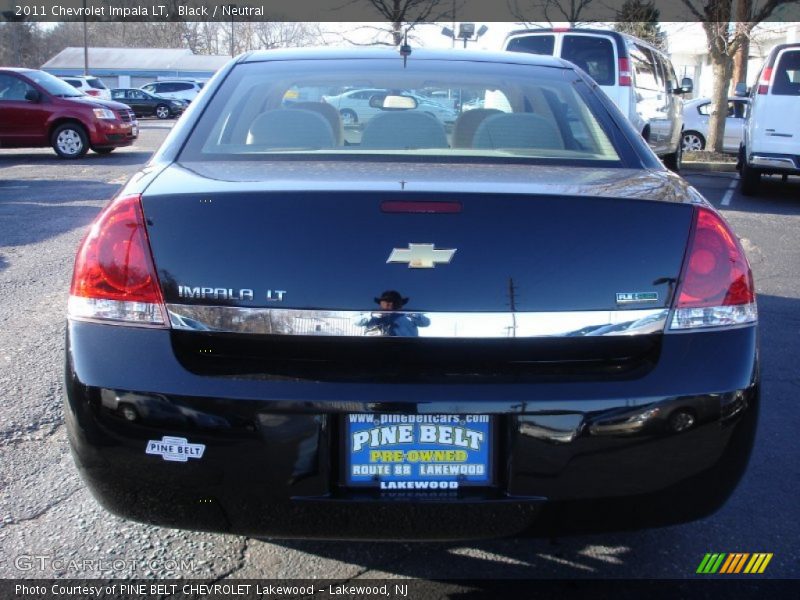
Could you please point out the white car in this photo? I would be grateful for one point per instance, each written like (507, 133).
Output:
(179, 89)
(91, 86)
(354, 106)
(636, 76)
(696, 114)
(771, 142)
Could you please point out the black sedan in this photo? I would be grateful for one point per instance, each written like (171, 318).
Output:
(145, 104)
(520, 325)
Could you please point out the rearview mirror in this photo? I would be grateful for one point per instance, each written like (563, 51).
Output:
(33, 96)
(741, 89)
(392, 102)
(687, 86)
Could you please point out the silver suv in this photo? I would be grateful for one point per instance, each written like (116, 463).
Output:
(179, 89)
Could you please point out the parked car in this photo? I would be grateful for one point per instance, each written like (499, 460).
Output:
(179, 89)
(396, 336)
(695, 124)
(638, 77)
(771, 142)
(38, 109)
(147, 104)
(354, 106)
(91, 86)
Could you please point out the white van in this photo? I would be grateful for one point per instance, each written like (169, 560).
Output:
(638, 77)
(772, 134)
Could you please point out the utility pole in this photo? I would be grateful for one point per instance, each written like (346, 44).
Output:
(85, 43)
(512, 302)
(232, 6)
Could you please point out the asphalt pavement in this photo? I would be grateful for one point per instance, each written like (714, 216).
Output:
(50, 525)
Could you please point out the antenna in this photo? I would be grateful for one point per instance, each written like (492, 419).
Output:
(405, 50)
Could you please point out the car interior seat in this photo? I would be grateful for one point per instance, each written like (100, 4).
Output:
(291, 128)
(467, 124)
(518, 130)
(330, 114)
(404, 130)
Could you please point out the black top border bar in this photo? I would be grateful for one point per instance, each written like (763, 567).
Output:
(522, 11)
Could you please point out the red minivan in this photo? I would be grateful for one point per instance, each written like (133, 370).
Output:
(38, 109)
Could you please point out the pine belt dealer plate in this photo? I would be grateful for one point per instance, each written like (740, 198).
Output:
(417, 452)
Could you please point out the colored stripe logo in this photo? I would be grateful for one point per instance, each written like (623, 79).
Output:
(736, 562)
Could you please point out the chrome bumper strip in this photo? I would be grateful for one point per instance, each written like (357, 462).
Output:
(277, 321)
(773, 161)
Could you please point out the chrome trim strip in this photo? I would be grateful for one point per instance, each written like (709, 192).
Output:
(287, 321)
(773, 161)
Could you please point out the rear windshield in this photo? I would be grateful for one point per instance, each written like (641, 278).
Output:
(53, 85)
(431, 108)
(96, 83)
(787, 75)
(593, 54)
(533, 44)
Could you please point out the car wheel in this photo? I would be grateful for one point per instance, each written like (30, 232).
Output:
(673, 161)
(751, 179)
(104, 150)
(693, 141)
(70, 140)
(162, 111)
(349, 117)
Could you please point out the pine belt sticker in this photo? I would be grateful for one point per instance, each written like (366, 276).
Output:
(175, 449)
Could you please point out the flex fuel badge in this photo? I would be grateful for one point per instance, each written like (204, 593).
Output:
(175, 449)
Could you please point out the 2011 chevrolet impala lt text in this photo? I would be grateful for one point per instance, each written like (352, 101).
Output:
(516, 323)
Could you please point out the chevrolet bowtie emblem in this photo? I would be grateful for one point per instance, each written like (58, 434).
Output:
(421, 256)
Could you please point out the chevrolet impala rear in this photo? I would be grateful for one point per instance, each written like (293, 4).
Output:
(398, 328)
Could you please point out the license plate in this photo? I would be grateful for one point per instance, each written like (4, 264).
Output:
(418, 452)
(134, 131)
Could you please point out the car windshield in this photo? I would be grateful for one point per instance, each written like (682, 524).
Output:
(53, 85)
(432, 108)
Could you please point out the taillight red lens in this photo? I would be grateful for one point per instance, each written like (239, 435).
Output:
(716, 272)
(93, 92)
(763, 83)
(114, 261)
(624, 72)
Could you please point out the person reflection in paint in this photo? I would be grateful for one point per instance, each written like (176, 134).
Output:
(392, 323)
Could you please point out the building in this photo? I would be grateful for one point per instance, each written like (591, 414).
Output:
(134, 67)
(689, 51)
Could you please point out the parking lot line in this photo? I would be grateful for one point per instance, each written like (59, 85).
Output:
(726, 199)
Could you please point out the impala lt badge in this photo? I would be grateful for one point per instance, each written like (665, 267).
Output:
(421, 256)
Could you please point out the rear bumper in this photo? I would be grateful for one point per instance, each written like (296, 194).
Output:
(569, 456)
(769, 162)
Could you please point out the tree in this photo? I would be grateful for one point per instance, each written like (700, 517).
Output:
(403, 16)
(641, 20)
(21, 47)
(724, 39)
(570, 11)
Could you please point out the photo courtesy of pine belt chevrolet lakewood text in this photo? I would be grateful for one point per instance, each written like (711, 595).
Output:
(362, 293)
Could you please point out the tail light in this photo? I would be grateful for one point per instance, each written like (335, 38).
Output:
(114, 277)
(716, 284)
(560, 29)
(624, 72)
(93, 92)
(763, 82)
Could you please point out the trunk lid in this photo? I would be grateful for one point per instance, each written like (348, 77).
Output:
(324, 243)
